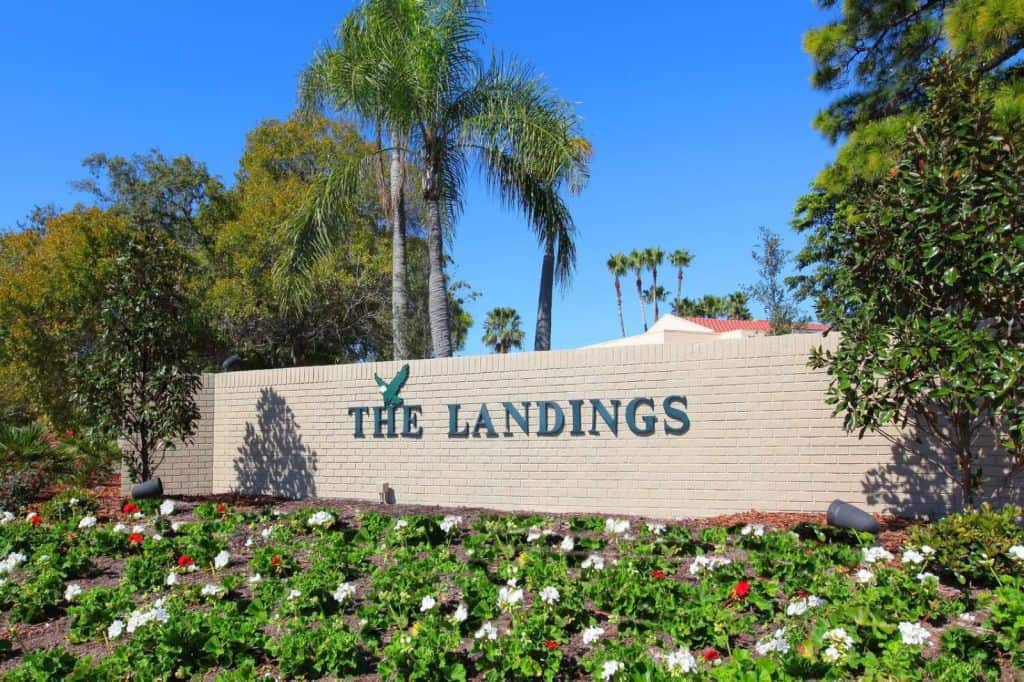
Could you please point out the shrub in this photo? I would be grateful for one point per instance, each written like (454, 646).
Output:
(972, 546)
(70, 503)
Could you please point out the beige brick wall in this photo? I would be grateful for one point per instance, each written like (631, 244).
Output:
(761, 435)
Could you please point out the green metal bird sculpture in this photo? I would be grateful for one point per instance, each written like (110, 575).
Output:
(389, 390)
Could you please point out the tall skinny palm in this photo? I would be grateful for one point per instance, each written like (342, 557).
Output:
(503, 330)
(680, 259)
(618, 265)
(502, 118)
(654, 257)
(637, 263)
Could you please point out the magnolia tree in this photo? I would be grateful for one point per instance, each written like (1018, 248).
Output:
(137, 382)
(923, 274)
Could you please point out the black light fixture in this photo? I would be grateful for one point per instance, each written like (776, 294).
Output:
(231, 363)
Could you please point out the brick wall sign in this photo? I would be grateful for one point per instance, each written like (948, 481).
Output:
(674, 430)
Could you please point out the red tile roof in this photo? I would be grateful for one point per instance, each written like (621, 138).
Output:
(764, 326)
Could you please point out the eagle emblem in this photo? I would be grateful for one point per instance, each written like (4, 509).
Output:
(390, 389)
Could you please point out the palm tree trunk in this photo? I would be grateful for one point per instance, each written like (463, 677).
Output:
(437, 289)
(399, 305)
(618, 302)
(542, 335)
(654, 288)
(640, 297)
(679, 284)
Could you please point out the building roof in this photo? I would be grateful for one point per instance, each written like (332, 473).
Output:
(764, 326)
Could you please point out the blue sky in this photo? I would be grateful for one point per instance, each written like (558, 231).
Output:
(699, 114)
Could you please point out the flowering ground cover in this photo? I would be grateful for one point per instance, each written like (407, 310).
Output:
(210, 591)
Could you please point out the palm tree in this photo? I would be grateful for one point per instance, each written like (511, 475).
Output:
(654, 294)
(680, 259)
(654, 257)
(523, 139)
(736, 306)
(503, 330)
(637, 264)
(618, 265)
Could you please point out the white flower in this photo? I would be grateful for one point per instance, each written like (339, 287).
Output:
(212, 590)
(873, 554)
(591, 635)
(87, 522)
(708, 563)
(864, 576)
(777, 642)
(1016, 552)
(594, 561)
(427, 603)
(265, 533)
(831, 654)
(321, 519)
(176, 526)
(756, 529)
(617, 526)
(31, 515)
(255, 578)
(681, 661)
(344, 592)
(461, 614)
(167, 507)
(800, 606)
(567, 544)
(609, 669)
(248, 542)
(926, 550)
(912, 557)
(509, 598)
(400, 524)
(533, 534)
(549, 595)
(138, 515)
(121, 528)
(487, 630)
(72, 591)
(925, 576)
(115, 629)
(138, 528)
(839, 637)
(157, 537)
(138, 618)
(450, 522)
(656, 528)
(13, 560)
(221, 560)
(6, 517)
(73, 501)
(966, 617)
(171, 580)
(914, 634)
(294, 594)
(512, 582)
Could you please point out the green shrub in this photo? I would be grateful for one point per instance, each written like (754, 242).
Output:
(93, 611)
(971, 547)
(70, 503)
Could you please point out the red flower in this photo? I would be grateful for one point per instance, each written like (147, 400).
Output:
(711, 655)
(275, 560)
(741, 590)
(36, 519)
(221, 508)
(184, 560)
(135, 539)
(130, 508)
(551, 644)
(69, 433)
(658, 575)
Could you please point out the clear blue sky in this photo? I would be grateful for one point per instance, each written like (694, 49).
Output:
(699, 114)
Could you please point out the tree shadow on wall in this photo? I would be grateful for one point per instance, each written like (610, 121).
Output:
(273, 459)
(921, 480)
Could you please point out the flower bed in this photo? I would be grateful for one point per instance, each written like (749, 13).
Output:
(215, 592)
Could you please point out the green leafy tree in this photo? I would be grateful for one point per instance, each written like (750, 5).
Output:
(618, 265)
(503, 330)
(925, 280)
(771, 291)
(502, 116)
(680, 260)
(137, 381)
